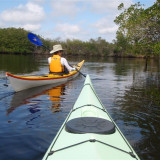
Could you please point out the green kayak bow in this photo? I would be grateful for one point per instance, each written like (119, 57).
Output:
(89, 133)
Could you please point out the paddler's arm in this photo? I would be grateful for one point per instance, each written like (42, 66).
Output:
(65, 63)
(49, 60)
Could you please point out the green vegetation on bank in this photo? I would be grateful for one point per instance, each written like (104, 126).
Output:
(139, 30)
(15, 41)
(138, 35)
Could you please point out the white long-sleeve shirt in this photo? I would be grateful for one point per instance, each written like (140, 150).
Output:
(64, 63)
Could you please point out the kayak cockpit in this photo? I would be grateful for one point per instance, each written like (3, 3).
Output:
(96, 125)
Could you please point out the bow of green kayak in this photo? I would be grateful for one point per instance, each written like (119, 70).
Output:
(89, 133)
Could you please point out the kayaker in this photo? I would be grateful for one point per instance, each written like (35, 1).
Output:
(58, 64)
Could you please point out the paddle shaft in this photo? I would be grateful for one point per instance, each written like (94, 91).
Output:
(46, 47)
(78, 71)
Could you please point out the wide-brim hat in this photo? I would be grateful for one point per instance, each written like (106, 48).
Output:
(56, 48)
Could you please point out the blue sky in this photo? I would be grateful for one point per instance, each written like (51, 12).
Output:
(65, 19)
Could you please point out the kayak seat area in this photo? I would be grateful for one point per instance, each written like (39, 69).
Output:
(96, 125)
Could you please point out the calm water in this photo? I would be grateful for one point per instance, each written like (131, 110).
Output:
(29, 120)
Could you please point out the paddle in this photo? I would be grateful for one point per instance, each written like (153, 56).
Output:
(79, 71)
(35, 40)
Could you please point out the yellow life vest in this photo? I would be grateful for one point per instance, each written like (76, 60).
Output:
(55, 65)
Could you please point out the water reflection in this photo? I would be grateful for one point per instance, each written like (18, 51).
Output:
(54, 93)
(18, 64)
(140, 107)
(131, 96)
(55, 97)
(33, 118)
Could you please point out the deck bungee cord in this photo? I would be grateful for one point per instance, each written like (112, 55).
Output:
(92, 141)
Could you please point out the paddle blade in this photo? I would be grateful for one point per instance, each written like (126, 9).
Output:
(34, 39)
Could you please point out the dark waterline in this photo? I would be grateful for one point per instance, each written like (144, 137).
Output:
(30, 119)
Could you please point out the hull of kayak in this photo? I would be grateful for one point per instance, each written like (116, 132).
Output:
(82, 137)
(20, 83)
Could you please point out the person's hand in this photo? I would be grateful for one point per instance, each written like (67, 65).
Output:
(73, 69)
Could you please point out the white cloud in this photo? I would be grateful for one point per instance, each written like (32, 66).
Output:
(104, 6)
(38, 1)
(23, 14)
(64, 7)
(93, 16)
(106, 25)
(2, 24)
(67, 30)
(108, 30)
(28, 16)
(72, 7)
(105, 10)
(31, 27)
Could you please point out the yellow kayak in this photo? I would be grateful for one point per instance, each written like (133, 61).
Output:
(20, 83)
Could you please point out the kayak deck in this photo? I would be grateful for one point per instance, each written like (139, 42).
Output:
(47, 76)
(73, 144)
(24, 82)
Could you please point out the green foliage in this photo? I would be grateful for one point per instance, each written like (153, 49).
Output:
(89, 48)
(14, 40)
(121, 44)
(121, 6)
(140, 28)
(156, 48)
(138, 34)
